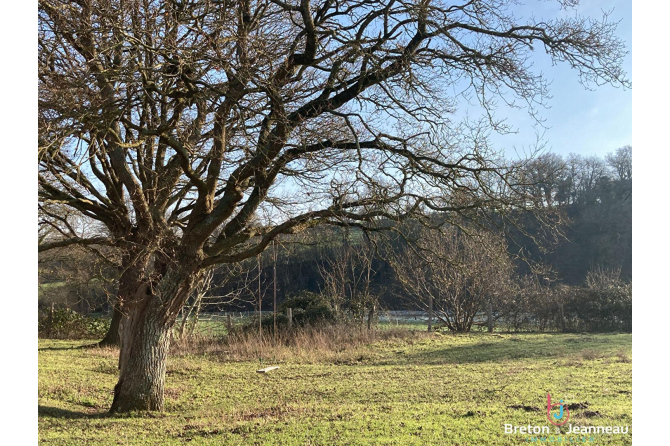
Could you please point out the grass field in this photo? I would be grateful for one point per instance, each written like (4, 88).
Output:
(441, 389)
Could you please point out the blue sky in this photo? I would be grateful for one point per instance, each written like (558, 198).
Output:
(579, 120)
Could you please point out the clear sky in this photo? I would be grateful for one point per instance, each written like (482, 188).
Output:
(581, 121)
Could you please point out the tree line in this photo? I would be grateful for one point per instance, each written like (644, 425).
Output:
(453, 273)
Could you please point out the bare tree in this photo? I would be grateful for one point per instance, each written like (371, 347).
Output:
(220, 286)
(190, 312)
(544, 177)
(348, 276)
(85, 267)
(196, 132)
(622, 162)
(453, 273)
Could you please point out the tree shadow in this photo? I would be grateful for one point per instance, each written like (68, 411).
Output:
(490, 348)
(75, 347)
(57, 412)
(41, 349)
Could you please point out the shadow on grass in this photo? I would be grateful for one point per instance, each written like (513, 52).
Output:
(42, 349)
(57, 412)
(495, 348)
(72, 347)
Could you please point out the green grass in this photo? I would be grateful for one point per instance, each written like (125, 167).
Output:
(441, 389)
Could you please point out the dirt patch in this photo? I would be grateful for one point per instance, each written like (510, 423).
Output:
(275, 412)
(173, 392)
(192, 431)
(526, 408)
(573, 406)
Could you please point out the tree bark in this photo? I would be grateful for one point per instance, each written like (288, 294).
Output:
(113, 338)
(149, 313)
(132, 267)
(145, 342)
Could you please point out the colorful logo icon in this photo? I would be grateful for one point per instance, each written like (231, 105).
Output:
(560, 418)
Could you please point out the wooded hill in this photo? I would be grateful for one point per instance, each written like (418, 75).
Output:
(594, 195)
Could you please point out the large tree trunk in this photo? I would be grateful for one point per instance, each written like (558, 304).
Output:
(148, 317)
(113, 337)
(145, 341)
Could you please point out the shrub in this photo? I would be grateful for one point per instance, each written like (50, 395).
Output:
(64, 323)
(309, 308)
(534, 307)
(603, 303)
(601, 308)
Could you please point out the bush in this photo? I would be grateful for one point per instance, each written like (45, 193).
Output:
(309, 308)
(603, 303)
(533, 307)
(601, 308)
(64, 323)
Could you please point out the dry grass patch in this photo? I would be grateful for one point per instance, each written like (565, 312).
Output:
(336, 344)
(103, 352)
(622, 356)
(589, 354)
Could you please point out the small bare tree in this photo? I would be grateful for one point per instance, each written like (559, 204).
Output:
(348, 277)
(219, 287)
(621, 162)
(190, 313)
(89, 274)
(454, 273)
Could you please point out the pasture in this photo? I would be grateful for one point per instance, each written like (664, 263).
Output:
(405, 388)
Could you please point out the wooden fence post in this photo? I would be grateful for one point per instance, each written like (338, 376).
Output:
(51, 321)
(371, 315)
(229, 323)
(289, 316)
(430, 312)
(490, 317)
